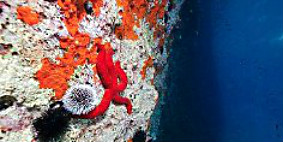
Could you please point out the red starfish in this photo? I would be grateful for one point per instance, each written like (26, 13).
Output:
(109, 74)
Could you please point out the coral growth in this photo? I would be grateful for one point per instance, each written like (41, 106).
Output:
(97, 4)
(72, 15)
(148, 63)
(74, 12)
(55, 76)
(136, 10)
(64, 50)
(28, 16)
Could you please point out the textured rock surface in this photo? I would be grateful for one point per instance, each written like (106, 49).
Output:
(32, 43)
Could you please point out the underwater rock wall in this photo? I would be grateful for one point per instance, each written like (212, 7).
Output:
(47, 47)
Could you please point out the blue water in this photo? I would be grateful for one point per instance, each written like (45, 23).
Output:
(226, 73)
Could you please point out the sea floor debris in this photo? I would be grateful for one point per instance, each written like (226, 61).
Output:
(48, 47)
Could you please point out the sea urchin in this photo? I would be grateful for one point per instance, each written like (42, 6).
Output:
(80, 99)
(52, 125)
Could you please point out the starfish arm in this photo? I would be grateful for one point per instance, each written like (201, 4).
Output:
(101, 108)
(124, 100)
(102, 70)
(122, 76)
(110, 66)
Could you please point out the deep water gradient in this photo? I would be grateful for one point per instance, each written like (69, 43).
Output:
(226, 73)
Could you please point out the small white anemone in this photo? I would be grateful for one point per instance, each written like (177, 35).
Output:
(80, 99)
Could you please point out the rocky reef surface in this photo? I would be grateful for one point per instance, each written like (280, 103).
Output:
(137, 32)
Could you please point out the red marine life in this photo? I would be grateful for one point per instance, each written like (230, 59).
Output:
(28, 16)
(109, 74)
(148, 63)
(56, 76)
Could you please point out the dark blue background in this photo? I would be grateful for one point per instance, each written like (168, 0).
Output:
(226, 73)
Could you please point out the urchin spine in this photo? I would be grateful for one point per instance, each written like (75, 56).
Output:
(80, 99)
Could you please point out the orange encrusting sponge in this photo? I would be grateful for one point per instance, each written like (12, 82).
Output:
(28, 16)
(147, 63)
(135, 10)
(55, 76)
